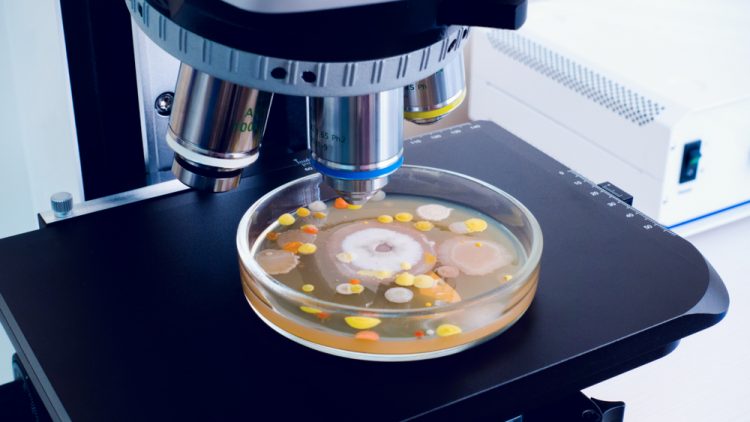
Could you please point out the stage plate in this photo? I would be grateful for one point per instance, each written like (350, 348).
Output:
(137, 312)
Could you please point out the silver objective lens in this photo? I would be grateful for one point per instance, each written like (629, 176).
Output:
(356, 142)
(215, 129)
(432, 98)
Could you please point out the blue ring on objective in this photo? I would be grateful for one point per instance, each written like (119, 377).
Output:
(356, 175)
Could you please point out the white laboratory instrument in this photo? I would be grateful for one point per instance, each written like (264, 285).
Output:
(651, 96)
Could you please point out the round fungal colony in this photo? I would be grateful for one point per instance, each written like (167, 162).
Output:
(397, 270)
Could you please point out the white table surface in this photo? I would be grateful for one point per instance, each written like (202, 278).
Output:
(706, 379)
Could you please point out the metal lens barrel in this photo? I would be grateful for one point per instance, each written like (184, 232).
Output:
(356, 142)
(215, 129)
(432, 98)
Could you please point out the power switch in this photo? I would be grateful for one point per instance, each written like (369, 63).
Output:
(691, 155)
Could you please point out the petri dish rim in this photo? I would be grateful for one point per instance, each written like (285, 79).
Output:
(246, 253)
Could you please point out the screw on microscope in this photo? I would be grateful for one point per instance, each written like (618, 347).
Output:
(62, 203)
(163, 103)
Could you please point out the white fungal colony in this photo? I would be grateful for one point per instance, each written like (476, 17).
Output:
(381, 249)
(374, 253)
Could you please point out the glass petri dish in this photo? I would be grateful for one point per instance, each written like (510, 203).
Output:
(334, 324)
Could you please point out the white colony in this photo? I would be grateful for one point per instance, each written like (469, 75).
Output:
(458, 227)
(433, 212)
(372, 252)
(399, 295)
(378, 249)
(317, 206)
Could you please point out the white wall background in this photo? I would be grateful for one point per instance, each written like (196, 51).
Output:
(39, 154)
(16, 203)
(37, 135)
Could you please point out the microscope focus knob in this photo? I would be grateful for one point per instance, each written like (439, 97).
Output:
(62, 203)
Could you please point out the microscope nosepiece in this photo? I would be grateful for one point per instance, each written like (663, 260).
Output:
(432, 98)
(215, 129)
(356, 142)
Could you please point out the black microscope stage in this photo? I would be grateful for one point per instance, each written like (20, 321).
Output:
(137, 312)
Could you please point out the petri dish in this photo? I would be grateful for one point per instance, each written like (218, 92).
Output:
(438, 263)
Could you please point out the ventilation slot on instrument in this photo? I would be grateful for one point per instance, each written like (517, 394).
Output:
(592, 85)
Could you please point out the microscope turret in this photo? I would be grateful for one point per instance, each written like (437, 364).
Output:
(364, 66)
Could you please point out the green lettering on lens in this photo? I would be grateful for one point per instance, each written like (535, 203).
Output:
(246, 126)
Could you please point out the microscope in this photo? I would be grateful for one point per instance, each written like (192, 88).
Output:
(362, 67)
(128, 308)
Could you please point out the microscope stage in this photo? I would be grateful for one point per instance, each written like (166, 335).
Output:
(137, 312)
